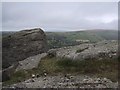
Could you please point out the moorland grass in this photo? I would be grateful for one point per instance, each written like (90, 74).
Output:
(53, 66)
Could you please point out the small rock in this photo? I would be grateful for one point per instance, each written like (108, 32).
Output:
(105, 79)
(98, 79)
(37, 75)
(85, 80)
(32, 80)
(33, 75)
(45, 74)
(44, 79)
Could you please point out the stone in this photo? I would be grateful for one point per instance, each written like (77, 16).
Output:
(19, 46)
(100, 51)
(52, 53)
(32, 80)
(6, 73)
(33, 75)
(37, 75)
(23, 44)
(45, 74)
(30, 62)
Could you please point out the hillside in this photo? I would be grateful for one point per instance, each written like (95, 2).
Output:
(60, 39)
(106, 34)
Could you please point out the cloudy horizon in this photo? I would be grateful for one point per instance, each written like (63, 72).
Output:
(59, 16)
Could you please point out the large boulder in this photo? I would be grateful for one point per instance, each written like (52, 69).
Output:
(20, 45)
(101, 50)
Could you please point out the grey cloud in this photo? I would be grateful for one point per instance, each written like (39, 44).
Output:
(58, 16)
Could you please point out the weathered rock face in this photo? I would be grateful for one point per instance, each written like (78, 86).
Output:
(100, 50)
(30, 62)
(23, 44)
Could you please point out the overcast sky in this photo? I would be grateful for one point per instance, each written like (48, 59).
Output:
(58, 16)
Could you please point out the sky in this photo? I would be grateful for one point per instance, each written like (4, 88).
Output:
(59, 16)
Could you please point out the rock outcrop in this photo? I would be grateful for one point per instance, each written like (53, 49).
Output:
(100, 50)
(23, 44)
(19, 46)
(6, 73)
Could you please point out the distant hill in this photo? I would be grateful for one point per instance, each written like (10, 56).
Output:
(105, 34)
(59, 39)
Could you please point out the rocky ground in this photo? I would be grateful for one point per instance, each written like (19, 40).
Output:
(67, 81)
(98, 50)
(104, 49)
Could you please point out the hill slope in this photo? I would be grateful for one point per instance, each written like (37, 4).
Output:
(59, 39)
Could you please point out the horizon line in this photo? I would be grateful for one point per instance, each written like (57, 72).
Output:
(62, 30)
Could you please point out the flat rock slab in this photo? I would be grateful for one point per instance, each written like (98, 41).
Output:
(30, 62)
(95, 50)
